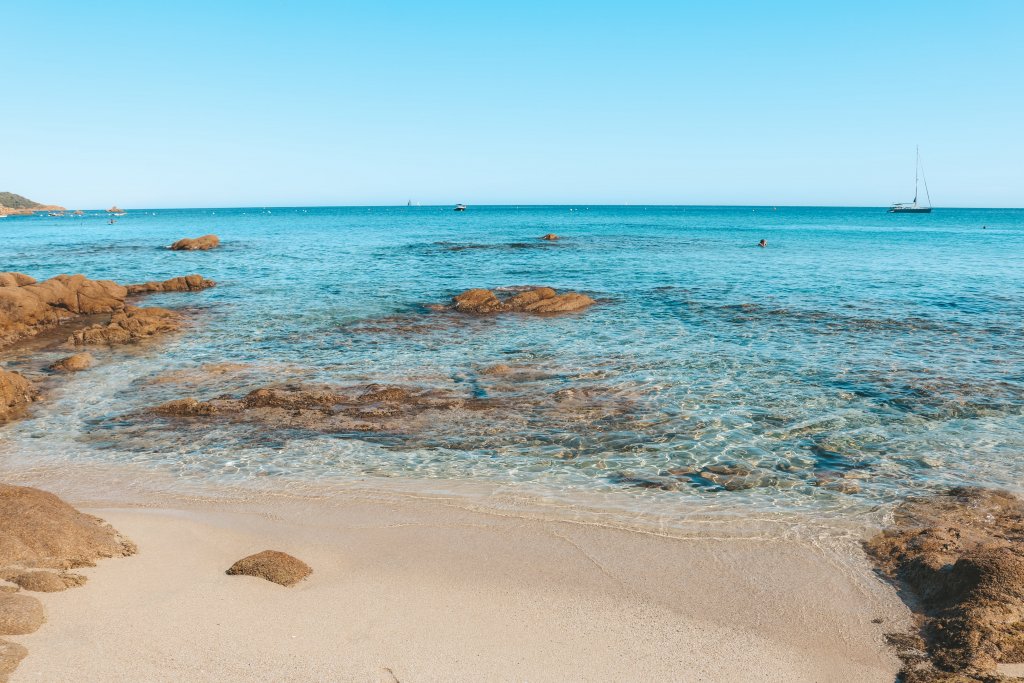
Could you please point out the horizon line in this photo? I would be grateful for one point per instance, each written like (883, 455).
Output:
(527, 205)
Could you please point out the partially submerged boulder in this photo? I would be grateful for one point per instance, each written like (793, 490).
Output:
(959, 556)
(537, 300)
(16, 393)
(185, 283)
(75, 363)
(128, 326)
(551, 237)
(39, 530)
(196, 243)
(272, 565)
(20, 614)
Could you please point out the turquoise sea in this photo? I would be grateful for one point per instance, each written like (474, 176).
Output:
(859, 357)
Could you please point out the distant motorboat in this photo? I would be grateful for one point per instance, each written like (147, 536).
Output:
(914, 207)
(460, 207)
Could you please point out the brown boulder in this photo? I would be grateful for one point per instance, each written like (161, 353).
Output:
(129, 326)
(196, 243)
(75, 363)
(537, 300)
(272, 565)
(551, 237)
(38, 529)
(20, 614)
(186, 283)
(11, 655)
(16, 393)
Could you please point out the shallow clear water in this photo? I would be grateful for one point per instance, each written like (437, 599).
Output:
(861, 355)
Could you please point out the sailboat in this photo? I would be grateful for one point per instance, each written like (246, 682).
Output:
(914, 207)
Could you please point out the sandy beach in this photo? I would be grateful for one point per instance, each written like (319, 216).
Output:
(410, 587)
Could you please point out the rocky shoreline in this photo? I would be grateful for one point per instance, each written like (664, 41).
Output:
(956, 557)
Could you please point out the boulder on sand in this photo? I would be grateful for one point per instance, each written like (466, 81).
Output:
(537, 300)
(39, 530)
(11, 655)
(16, 393)
(272, 565)
(75, 363)
(196, 243)
(20, 614)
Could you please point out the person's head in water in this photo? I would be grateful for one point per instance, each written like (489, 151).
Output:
(762, 243)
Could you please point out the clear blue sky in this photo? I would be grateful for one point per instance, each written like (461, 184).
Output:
(257, 103)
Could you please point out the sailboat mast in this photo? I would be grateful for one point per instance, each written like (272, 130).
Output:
(917, 165)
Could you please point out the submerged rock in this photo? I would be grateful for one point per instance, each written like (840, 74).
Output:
(362, 408)
(75, 363)
(20, 614)
(537, 300)
(272, 565)
(16, 393)
(186, 407)
(184, 283)
(196, 243)
(39, 530)
(960, 558)
(128, 326)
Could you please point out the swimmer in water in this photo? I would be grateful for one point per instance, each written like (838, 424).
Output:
(763, 243)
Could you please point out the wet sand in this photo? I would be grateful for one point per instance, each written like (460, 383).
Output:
(415, 587)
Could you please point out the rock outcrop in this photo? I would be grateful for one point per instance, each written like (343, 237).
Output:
(196, 243)
(128, 326)
(960, 558)
(272, 565)
(75, 363)
(184, 283)
(551, 237)
(27, 306)
(16, 393)
(537, 300)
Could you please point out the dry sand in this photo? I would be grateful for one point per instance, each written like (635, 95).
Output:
(413, 588)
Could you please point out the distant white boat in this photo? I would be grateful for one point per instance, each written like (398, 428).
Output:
(460, 207)
(914, 207)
